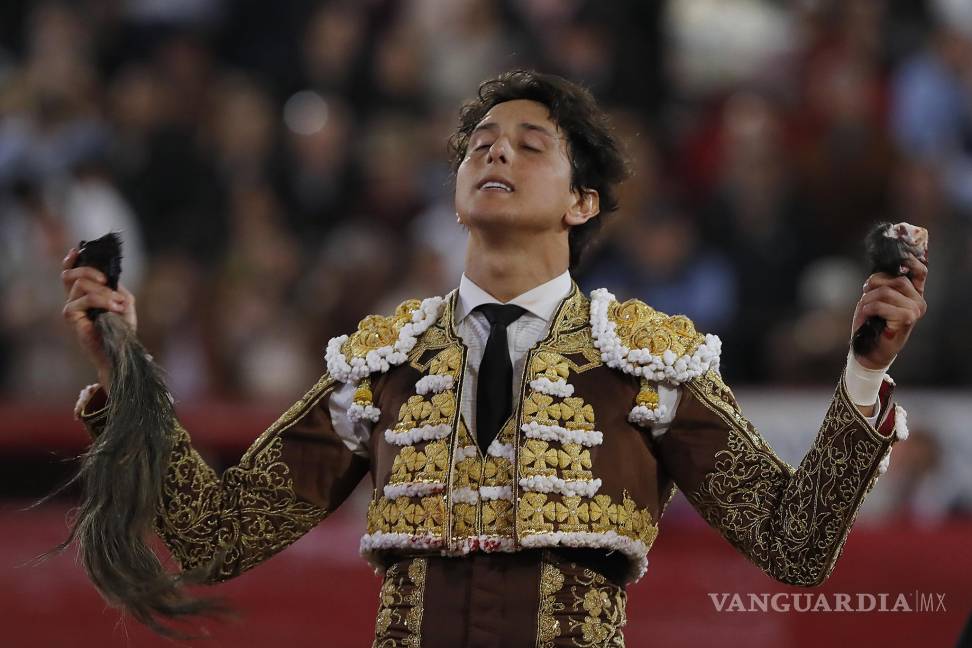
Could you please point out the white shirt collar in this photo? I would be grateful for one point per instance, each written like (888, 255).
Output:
(541, 301)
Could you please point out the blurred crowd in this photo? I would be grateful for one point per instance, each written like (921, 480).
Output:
(279, 170)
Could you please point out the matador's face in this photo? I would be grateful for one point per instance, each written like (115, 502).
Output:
(516, 173)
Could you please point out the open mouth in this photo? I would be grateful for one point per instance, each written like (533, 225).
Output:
(496, 185)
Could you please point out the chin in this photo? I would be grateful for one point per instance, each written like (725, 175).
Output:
(486, 218)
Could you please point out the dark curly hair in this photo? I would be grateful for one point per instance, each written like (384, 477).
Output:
(595, 157)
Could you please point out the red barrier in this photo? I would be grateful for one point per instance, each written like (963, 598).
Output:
(319, 593)
(218, 426)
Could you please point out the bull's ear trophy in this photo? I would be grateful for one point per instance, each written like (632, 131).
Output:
(886, 247)
(121, 476)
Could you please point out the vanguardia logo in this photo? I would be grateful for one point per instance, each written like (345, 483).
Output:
(915, 601)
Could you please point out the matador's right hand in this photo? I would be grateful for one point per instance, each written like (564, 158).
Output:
(86, 288)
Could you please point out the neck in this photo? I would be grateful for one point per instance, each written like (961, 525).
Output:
(507, 267)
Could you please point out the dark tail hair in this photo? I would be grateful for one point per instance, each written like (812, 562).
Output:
(121, 478)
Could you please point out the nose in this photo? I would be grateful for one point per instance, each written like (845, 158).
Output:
(499, 151)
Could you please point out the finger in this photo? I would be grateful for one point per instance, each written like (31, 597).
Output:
(68, 277)
(918, 273)
(892, 295)
(84, 286)
(105, 299)
(897, 318)
(902, 284)
(859, 318)
(129, 313)
(877, 279)
(68, 261)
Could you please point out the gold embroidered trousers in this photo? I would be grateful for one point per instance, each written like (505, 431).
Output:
(540, 598)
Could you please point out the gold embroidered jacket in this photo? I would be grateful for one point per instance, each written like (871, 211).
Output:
(576, 465)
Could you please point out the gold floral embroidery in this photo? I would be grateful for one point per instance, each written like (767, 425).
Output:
(498, 471)
(534, 513)
(407, 462)
(415, 515)
(535, 407)
(423, 462)
(577, 343)
(498, 517)
(639, 326)
(436, 462)
(433, 515)
(548, 626)
(537, 458)
(575, 461)
(602, 513)
(467, 473)
(576, 311)
(538, 512)
(464, 519)
(572, 515)
(376, 331)
(578, 607)
(791, 523)
(547, 364)
(400, 606)
(418, 411)
(447, 362)
(438, 336)
(603, 606)
(245, 516)
(571, 412)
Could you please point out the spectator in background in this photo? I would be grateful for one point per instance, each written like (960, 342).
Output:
(317, 178)
(932, 101)
(758, 219)
(844, 154)
(803, 349)
(331, 117)
(175, 154)
(660, 259)
(50, 113)
(260, 342)
(920, 196)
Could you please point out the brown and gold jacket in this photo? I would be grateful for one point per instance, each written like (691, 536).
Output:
(576, 465)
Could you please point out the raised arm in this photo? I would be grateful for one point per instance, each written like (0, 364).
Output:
(792, 523)
(292, 476)
(296, 472)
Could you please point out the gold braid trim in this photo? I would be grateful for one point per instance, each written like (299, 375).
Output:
(243, 517)
(551, 582)
(791, 523)
(400, 606)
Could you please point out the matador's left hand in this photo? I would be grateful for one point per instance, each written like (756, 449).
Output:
(900, 301)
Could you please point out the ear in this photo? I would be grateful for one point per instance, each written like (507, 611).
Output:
(586, 205)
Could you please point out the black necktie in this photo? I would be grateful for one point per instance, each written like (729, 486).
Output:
(494, 391)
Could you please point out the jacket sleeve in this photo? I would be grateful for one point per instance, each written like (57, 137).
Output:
(293, 475)
(791, 522)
